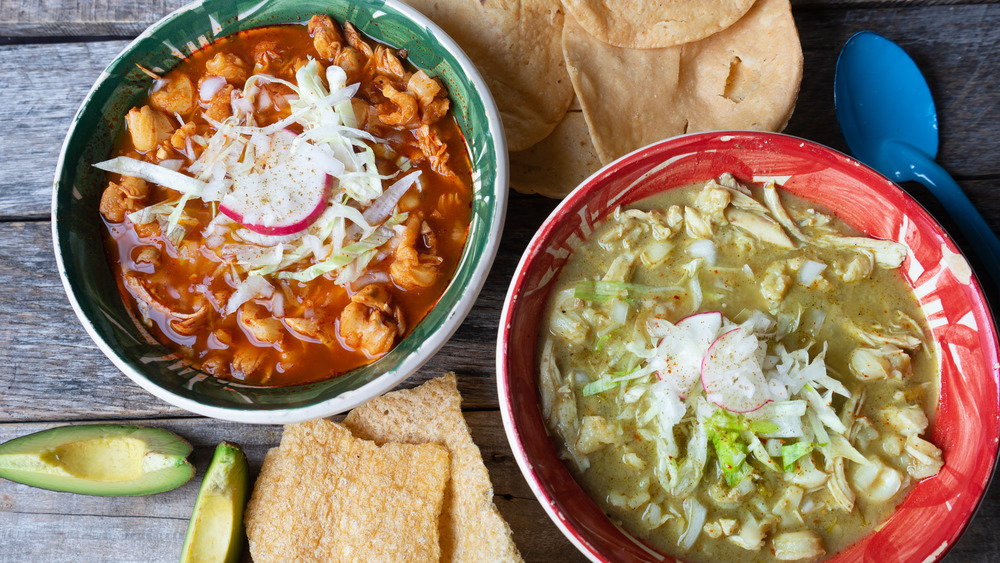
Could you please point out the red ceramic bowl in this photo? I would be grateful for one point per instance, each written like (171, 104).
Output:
(966, 425)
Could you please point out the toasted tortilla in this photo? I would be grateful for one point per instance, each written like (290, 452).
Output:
(324, 495)
(557, 164)
(471, 527)
(516, 46)
(745, 77)
(644, 24)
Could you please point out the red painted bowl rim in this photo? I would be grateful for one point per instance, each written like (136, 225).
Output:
(666, 152)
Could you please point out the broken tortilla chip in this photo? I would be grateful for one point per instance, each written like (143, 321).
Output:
(641, 24)
(324, 495)
(471, 528)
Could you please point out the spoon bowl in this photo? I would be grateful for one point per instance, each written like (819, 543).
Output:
(887, 115)
(881, 95)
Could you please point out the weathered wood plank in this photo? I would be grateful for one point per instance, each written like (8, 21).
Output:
(51, 370)
(955, 45)
(42, 87)
(156, 524)
(62, 18)
(67, 18)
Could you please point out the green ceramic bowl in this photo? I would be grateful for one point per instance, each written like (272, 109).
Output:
(76, 223)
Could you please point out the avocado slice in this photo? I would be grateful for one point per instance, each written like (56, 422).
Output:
(215, 533)
(98, 459)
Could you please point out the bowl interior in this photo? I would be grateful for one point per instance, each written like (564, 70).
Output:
(966, 423)
(79, 249)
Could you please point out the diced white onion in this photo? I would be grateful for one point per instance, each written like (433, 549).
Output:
(619, 312)
(704, 248)
(210, 86)
(810, 272)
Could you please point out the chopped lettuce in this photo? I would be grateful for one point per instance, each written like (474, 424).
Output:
(790, 453)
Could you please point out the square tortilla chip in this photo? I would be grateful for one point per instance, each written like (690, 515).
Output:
(324, 495)
(471, 527)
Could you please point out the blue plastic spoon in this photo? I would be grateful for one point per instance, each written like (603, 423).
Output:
(888, 119)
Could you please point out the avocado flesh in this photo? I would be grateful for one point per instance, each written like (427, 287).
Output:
(215, 533)
(103, 460)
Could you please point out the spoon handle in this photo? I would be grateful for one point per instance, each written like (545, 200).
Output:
(925, 170)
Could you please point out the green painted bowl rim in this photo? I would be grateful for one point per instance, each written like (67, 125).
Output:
(410, 354)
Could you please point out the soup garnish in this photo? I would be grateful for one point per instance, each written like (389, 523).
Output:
(732, 374)
(287, 203)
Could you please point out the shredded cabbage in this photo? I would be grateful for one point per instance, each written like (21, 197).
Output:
(360, 214)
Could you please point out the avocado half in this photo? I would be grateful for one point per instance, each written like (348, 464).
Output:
(215, 533)
(100, 459)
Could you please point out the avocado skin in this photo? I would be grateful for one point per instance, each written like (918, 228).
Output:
(37, 448)
(229, 474)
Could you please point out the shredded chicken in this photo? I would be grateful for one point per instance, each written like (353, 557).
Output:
(228, 66)
(326, 36)
(122, 198)
(176, 95)
(252, 361)
(370, 322)
(760, 226)
(401, 111)
(147, 127)
(184, 323)
(258, 322)
(352, 61)
(411, 268)
(434, 148)
(265, 54)
(354, 39)
(190, 324)
(388, 64)
(430, 96)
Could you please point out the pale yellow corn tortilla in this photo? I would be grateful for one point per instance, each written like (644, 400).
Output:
(515, 44)
(558, 163)
(324, 495)
(652, 24)
(472, 529)
(745, 77)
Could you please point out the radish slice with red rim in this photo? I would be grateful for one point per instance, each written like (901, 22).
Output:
(288, 194)
(732, 375)
(683, 347)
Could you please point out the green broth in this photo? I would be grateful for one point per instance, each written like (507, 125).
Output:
(622, 473)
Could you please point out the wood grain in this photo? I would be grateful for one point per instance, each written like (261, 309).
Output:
(55, 18)
(155, 525)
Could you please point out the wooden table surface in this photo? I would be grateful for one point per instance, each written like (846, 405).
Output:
(51, 373)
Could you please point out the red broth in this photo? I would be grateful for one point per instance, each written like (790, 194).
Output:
(181, 288)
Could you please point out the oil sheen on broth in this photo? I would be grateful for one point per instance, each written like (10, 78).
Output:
(734, 375)
(222, 161)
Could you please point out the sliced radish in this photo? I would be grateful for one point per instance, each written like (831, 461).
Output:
(731, 373)
(682, 348)
(288, 193)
